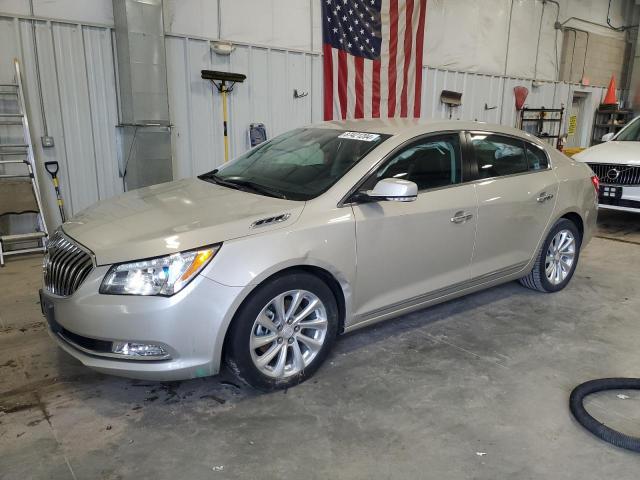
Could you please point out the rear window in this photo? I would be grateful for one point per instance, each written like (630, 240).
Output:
(536, 157)
(499, 156)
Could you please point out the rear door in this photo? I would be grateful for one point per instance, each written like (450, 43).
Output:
(517, 191)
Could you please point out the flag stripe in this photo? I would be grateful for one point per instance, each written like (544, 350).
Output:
(336, 96)
(408, 40)
(375, 86)
(342, 82)
(393, 49)
(385, 31)
(328, 81)
(359, 64)
(399, 56)
(351, 86)
(367, 87)
(419, 52)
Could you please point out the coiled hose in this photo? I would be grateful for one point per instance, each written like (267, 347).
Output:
(594, 426)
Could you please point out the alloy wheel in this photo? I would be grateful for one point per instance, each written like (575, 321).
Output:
(288, 333)
(560, 257)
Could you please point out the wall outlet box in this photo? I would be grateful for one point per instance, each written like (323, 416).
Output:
(47, 141)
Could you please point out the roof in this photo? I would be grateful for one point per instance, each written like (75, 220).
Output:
(411, 126)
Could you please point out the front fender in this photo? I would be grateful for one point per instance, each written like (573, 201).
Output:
(326, 242)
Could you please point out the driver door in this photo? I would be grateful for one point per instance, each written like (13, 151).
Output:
(408, 249)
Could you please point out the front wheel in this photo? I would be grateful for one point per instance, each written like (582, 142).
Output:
(283, 332)
(557, 259)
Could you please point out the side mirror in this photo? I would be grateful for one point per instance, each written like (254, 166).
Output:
(607, 136)
(395, 190)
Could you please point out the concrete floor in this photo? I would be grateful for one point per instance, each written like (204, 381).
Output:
(475, 388)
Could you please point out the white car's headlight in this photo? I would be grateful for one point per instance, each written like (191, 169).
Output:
(157, 276)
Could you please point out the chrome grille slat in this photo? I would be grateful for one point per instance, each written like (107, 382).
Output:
(66, 266)
(627, 174)
(74, 267)
(62, 262)
(82, 273)
(60, 251)
(67, 272)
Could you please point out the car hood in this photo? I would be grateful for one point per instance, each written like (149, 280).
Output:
(618, 153)
(173, 217)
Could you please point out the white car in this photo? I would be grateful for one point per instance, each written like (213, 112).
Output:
(616, 162)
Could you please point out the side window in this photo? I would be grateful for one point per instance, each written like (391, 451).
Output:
(536, 157)
(430, 163)
(497, 155)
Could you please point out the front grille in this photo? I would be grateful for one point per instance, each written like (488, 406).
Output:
(66, 265)
(616, 174)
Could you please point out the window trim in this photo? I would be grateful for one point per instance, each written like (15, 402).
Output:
(464, 170)
(474, 161)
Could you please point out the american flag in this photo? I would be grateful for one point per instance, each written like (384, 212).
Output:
(372, 58)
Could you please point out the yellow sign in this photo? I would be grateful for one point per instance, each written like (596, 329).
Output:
(573, 123)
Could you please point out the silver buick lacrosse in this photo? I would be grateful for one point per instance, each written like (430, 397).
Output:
(262, 262)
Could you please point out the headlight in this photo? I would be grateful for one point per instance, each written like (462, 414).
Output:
(157, 276)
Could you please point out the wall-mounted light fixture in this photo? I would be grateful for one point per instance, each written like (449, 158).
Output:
(222, 48)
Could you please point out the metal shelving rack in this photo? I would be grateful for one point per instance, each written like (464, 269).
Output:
(608, 121)
(544, 123)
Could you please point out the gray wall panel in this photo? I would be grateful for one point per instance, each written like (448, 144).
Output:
(104, 116)
(76, 114)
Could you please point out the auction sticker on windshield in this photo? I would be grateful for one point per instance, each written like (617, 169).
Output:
(365, 137)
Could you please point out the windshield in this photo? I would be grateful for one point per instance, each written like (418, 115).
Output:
(298, 165)
(631, 133)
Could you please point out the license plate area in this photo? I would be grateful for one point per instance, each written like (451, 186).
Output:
(607, 191)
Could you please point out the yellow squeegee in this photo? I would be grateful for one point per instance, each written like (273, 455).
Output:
(219, 80)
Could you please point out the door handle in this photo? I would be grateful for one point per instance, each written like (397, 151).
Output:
(461, 217)
(544, 196)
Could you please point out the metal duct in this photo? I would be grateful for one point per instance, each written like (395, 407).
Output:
(144, 138)
(142, 69)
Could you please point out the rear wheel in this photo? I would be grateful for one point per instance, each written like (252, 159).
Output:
(557, 259)
(283, 332)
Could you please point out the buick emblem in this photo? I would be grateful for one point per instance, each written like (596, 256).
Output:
(613, 174)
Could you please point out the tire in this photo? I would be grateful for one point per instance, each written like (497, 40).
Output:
(265, 331)
(538, 279)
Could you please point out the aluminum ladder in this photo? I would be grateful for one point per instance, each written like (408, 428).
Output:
(17, 168)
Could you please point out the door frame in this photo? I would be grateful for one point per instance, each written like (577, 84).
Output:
(585, 124)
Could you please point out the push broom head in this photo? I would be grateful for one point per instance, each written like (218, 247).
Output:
(223, 76)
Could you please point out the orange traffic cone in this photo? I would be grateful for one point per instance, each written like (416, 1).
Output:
(610, 97)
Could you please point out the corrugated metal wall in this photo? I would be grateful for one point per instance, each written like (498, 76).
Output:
(490, 98)
(79, 92)
(265, 97)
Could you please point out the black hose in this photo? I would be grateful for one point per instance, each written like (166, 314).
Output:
(594, 426)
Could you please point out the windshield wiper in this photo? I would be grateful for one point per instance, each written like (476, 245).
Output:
(254, 187)
(213, 178)
(241, 184)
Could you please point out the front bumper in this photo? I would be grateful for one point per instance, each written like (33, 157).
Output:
(190, 326)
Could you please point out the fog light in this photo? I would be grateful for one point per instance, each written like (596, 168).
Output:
(133, 349)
